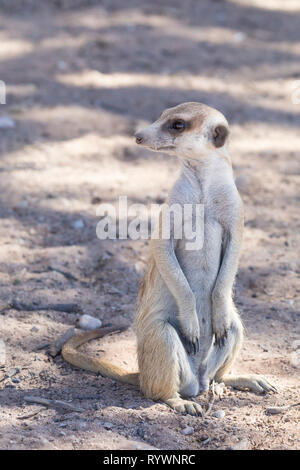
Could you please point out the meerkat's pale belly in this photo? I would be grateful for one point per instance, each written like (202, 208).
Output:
(201, 268)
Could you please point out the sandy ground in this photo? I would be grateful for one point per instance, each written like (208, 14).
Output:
(81, 77)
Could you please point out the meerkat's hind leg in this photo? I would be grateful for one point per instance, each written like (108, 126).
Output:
(189, 383)
(221, 355)
(254, 383)
(221, 358)
(166, 372)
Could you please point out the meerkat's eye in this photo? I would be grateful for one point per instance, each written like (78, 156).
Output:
(178, 125)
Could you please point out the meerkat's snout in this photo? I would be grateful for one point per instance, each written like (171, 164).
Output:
(150, 137)
(139, 138)
(189, 130)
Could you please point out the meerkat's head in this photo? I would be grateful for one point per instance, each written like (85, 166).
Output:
(189, 130)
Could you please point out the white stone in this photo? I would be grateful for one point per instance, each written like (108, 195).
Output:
(87, 322)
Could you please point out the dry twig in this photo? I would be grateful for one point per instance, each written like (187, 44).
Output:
(210, 404)
(276, 410)
(62, 405)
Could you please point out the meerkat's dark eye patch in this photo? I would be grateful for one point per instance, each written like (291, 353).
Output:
(220, 134)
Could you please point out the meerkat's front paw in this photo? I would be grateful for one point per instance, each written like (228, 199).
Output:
(191, 335)
(192, 344)
(221, 317)
(220, 329)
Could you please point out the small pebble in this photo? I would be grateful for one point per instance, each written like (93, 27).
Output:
(62, 65)
(78, 224)
(204, 438)
(244, 444)
(295, 344)
(82, 425)
(239, 36)
(108, 425)
(187, 431)
(13, 371)
(206, 441)
(219, 414)
(96, 200)
(6, 122)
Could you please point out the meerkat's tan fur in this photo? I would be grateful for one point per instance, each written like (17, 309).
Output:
(188, 329)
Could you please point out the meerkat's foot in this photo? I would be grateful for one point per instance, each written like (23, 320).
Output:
(185, 406)
(254, 383)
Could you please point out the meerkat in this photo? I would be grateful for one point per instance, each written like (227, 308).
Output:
(188, 329)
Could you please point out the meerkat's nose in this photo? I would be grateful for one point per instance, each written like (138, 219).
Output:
(138, 138)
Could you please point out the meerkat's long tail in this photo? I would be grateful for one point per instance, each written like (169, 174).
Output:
(71, 354)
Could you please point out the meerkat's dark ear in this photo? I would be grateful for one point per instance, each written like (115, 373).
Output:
(220, 134)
